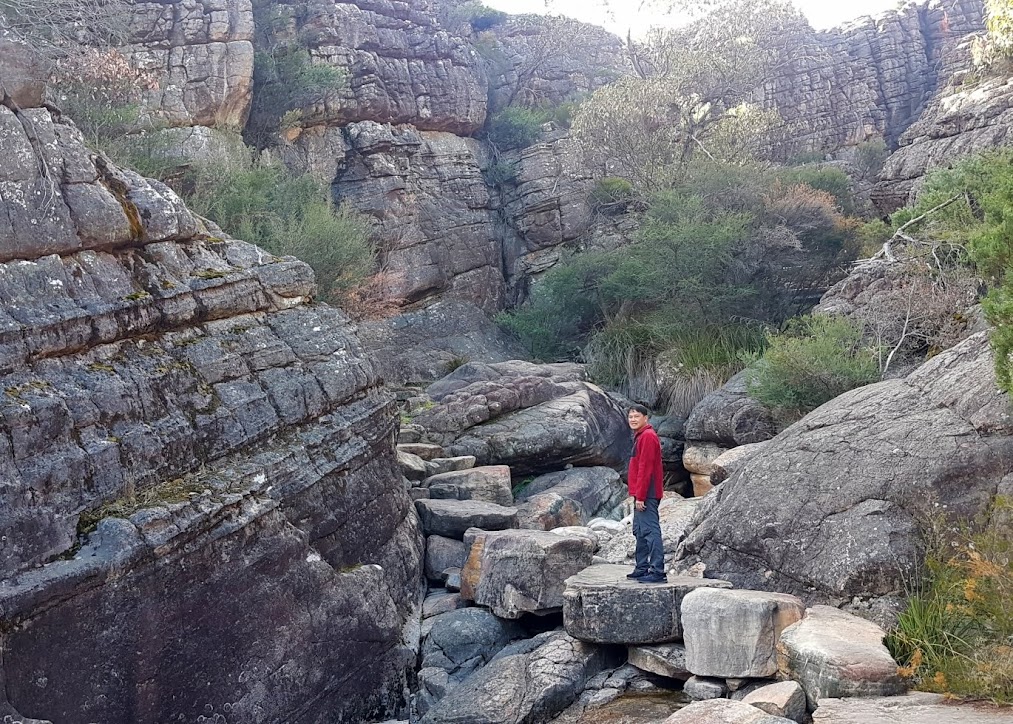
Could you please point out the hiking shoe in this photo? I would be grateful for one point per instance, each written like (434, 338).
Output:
(636, 574)
(653, 578)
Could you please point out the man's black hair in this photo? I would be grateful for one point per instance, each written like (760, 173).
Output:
(641, 409)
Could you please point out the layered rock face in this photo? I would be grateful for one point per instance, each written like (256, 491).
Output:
(188, 448)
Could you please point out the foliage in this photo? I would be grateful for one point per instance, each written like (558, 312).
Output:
(611, 195)
(815, 359)
(870, 157)
(501, 172)
(822, 177)
(61, 29)
(478, 15)
(516, 127)
(955, 635)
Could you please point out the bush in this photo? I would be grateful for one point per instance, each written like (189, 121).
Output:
(500, 173)
(956, 634)
(478, 15)
(870, 157)
(516, 127)
(823, 178)
(813, 361)
(611, 195)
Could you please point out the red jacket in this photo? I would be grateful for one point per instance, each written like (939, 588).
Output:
(645, 466)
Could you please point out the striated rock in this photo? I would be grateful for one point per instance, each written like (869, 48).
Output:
(702, 688)
(785, 698)
(827, 521)
(489, 483)
(734, 633)
(834, 654)
(460, 641)
(914, 708)
(187, 442)
(527, 686)
(601, 605)
(570, 497)
(725, 464)
(422, 450)
(522, 571)
(451, 518)
(723, 711)
(441, 554)
(729, 416)
(664, 659)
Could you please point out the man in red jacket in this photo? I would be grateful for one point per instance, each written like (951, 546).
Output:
(646, 485)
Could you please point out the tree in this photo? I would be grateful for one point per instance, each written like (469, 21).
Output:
(59, 28)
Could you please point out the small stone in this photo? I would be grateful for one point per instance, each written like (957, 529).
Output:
(452, 579)
(701, 484)
(412, 466)
(441, 601)
(785, 698)
(701, 687)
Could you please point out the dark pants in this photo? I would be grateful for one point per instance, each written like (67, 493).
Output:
(647, 528)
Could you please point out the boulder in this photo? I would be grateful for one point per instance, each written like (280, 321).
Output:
(523, 571)
(433, 684)
(489, 483)
(730, 417)
(699, 457)
(735, 633)
(601, 605)
(701, 688)
(662, 659)
(463, 640)
(834, 655)
(441, 601)
(915, 708)
(528, 686)
(785, 698)
(723, 711)
(701, 484)
(439, 466)
(412, 466)
(675, 514)
(827, 521)
(441, 554)
(517, 374)
(451, 518)
(22, 73)
(423, 450)
(728, 462)
(570, 497)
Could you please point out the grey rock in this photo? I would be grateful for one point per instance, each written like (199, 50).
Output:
(785, 699)
(441, 554)
(524, 687)
(451, 518)
(439, 466)
(730, 417)
(441, 601)
(22, 73)
(735, 633)
(412, 466)
(702, 688)
(489, 483)
(663, 659)
(825, 521)
(570, 497)
(914, 708)
(675, 514)
(515, 572)
(452, 579)
(422, 450)
(601, 605)
(723, 711)
(725, 464)
(433, 685)
(834, 654)
(460, 641)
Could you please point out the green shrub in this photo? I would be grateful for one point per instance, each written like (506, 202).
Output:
(823, 178)
(478, 15)
(813, 361)
(611, 195)
(516, 127)
(870, 157)
(956, 634)
(501, 172)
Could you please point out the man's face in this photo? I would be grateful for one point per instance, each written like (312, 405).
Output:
(636, 420)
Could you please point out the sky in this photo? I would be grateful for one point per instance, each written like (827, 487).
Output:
(821, 13)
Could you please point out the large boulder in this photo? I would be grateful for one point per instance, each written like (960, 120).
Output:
(489, 483)
(529, 686)
(915, 708)
(730, 417)
(22, 74)
(733, 634)
(831, 521)
(601, 605)
(451, 518)
(441, 554)
(461, 641)
(785, 698)
(515, 572)
(834, 654)
(570, 497)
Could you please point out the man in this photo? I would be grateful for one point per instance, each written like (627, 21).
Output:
(646, 485)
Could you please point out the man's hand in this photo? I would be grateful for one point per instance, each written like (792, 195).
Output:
(641, 506)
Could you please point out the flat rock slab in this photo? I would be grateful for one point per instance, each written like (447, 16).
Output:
(662, 659)
(914, 708)
(734, 633)
(785, 698)
(514, 572)
(702, 688)
(835, 655)
(489, 483)
(723, 711)
(412, 466)
(601, 605)
(451, 518)
(420, 449)
(438, 466)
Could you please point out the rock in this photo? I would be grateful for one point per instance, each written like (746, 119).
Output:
(489, 483)
(827, 521)
(728, 462)
(412, 466)
(452, 579)
(422, 450)
(441, 554)
(664, 659)
(914, 708)
(601, 605)
(439, 466)
(675, 514)
(699, 457)
(22, 73)
(701, 484)
(747, 688)
(834, 655)
(410, 434)
(735, 633)
(451, 518)
(723, 711)
(522, 571)
(433, 685)
(523, 687)
(730, 417)
(702, 688)
(785, 699)
(570, 497)
(519, 375)
(441, 601)
(460, 641)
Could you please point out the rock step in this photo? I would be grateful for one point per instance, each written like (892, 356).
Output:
(488, 483)
(451, 518)
(438, 466)
(423, 450)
